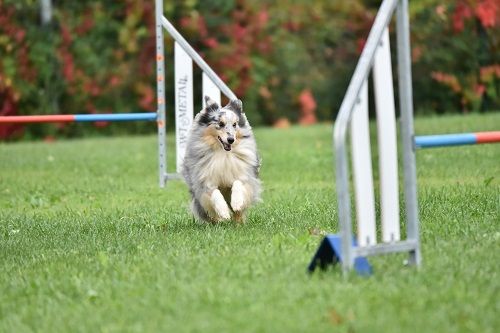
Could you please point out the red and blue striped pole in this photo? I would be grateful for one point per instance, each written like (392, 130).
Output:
(70, 118)
(445, 140)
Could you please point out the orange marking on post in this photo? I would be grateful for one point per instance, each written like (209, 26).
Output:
(160, 100)
(159, 57)
(160, 78)
(160, 123)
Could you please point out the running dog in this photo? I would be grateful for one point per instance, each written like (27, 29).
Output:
(221, 165)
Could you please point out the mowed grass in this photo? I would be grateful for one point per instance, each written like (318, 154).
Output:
(89, 243)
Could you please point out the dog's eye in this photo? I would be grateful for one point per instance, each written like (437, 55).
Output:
(234, 125)
(221, 124)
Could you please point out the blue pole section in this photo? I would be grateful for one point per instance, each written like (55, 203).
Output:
(429, 141)
(116, 117)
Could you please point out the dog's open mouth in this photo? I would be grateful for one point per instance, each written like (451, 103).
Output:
(226, 146)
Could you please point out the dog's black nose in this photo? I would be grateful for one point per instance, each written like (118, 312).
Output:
(230, 140)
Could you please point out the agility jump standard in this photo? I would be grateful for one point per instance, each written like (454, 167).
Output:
(353, 115)
(343, 248)
(184, 56)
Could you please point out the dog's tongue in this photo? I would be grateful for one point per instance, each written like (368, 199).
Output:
(227, 146)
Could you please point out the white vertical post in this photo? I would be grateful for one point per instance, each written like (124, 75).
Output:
(209, 89)
(183, 102)
(386, 130)
(362, 170)
(46, 11)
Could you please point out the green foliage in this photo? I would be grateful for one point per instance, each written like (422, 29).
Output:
(98, 57)
(92, 58)
(89, 243)
(456, 55)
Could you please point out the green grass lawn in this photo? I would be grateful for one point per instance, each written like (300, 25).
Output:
(88, 242)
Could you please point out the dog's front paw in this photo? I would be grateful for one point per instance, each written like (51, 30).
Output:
(237, 201)
(237, 196)
(220, 205)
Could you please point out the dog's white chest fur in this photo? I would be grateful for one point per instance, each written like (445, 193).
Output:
(222, 168)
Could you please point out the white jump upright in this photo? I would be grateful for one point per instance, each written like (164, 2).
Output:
(387, 145)
(183, 102)
(362, 170)
(184, 56)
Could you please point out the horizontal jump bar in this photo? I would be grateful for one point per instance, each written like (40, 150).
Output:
(429, 141)
(69, 118)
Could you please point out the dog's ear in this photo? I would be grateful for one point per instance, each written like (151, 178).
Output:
(236, 105)
(209, 114)
(211, 105)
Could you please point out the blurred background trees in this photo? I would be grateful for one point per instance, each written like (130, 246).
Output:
(286, 59)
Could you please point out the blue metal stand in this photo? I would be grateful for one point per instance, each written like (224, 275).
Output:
(330, 253)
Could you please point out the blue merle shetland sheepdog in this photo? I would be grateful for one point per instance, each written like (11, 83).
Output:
(221, 165)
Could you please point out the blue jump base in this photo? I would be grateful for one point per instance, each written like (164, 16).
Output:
(330, 253)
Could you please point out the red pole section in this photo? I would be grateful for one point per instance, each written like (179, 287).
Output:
(488, 137)
(60, 118)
